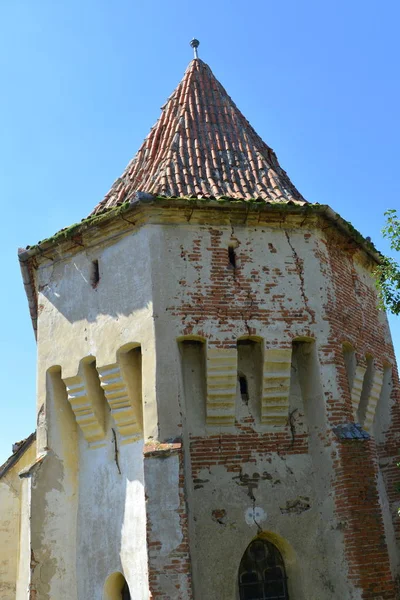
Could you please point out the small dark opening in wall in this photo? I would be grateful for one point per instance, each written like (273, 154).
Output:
(232, 256)
(95, 274)
(244, 390)
(125, 594)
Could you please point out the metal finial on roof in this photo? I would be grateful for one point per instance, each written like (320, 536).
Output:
(195, 44)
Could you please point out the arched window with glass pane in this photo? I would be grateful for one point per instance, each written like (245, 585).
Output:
(262, 574)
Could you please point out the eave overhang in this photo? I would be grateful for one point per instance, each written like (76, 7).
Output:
(155, 209)
(14, 458)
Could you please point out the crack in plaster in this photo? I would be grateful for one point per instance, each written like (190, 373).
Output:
(300, 271)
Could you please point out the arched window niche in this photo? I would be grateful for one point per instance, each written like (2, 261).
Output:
(268, 570)
(116, 588)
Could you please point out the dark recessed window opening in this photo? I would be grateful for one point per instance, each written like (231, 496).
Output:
(244, 390)
(232, 256)
(125, 595)
(95, 274)
(262, 574)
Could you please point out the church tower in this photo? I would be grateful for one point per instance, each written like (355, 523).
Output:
(218, 403)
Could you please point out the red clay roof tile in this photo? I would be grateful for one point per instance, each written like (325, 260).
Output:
(203, 146)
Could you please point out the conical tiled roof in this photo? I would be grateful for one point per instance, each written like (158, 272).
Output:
(202, 146)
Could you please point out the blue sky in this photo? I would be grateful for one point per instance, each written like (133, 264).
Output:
(83, 82)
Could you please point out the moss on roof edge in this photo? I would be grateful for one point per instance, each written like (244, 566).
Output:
(26, 255)
(110, 213)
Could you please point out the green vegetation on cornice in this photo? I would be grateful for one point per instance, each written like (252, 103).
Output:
(92, 220)
(109, 213)
(359, 238)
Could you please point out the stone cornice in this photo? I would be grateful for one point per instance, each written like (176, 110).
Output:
(107, 226)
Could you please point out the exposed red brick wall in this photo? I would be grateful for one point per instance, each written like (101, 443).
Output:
(234, 450)
(229, 297)
(230, 300)
(358, 508)
(388, 454)
(176, 566)
(354, 317)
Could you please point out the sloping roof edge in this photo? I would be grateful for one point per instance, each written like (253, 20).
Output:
(27, 256)
(11, 460)
(203, 145)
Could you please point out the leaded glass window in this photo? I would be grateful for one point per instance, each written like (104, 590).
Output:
(262, 574)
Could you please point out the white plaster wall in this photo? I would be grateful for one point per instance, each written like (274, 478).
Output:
(95, 322)
(135, 301)
(164, 511)
(13, 507)
(9, 534)
(163, 489)
(111, 528)
(104, 514)
(24, 541)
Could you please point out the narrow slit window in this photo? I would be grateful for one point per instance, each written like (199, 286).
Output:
(95, 274)
(232, 256)
(244, 389)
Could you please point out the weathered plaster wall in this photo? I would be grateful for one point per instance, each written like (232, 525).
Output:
(367, 331)
(96, 321)
(167, 522)
(9, 542)
(24, 562)
(287, 285)
(12, 506)
(299, 290)
(111, 527)
(54, 491)
(89, 519)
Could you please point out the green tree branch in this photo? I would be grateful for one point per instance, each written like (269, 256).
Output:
(387, 275)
